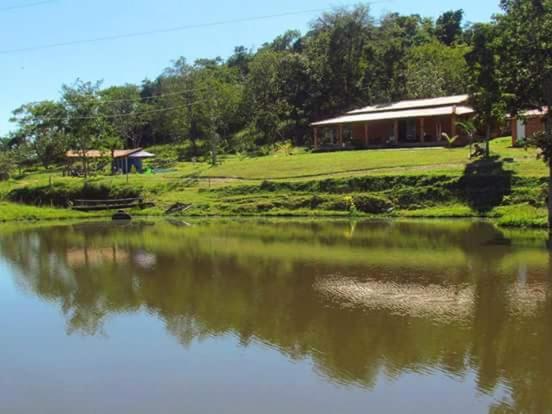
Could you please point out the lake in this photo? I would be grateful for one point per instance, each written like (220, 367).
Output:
(274, 316)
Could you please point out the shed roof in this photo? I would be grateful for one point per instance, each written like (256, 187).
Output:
(402, 114)
(102, 154)
(142, 154)
(535, 113)
(414, 104)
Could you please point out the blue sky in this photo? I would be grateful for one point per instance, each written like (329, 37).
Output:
(34, 75)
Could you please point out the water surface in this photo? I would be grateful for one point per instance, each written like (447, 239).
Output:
(274, 316)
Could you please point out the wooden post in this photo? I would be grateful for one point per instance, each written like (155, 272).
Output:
(366, 134)
(422, 130)
(396, 131)
(340, 135)
(316, 140)
(453, 123)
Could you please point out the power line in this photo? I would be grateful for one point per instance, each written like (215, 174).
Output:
(137, 114)
(168, 30)
(26, 6)
(138, 99)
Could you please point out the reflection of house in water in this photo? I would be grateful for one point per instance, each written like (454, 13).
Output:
(100, 256)
(437, 302)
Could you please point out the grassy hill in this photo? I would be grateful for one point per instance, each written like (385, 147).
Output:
(428, 182)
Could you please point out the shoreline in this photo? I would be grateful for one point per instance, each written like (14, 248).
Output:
(21, 213)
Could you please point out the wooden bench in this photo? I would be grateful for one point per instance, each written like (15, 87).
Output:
(111, 204)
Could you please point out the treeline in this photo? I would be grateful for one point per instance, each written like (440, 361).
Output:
(256, 98)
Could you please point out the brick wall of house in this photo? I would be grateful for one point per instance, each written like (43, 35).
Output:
(533, 126)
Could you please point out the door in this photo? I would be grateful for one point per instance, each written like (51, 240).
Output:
(520, 126)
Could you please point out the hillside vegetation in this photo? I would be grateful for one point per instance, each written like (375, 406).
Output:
(430, 182)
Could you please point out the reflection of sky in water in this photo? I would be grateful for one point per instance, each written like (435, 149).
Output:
(126, 370)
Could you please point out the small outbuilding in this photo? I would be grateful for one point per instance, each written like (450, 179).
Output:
(123, 161)
(527, 124)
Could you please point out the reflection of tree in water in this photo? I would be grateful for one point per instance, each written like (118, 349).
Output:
(209, 281)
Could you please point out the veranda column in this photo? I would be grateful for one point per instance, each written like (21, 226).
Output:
(340, 135)
(396, 131)
(366, 133)
(422, 130)
(453, 123)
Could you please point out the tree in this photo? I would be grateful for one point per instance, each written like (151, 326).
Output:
(448, 27)
(41, 126)
(486, 94)
(434, 69)
(336, 50)
(7, 165)
(524, 34)
(470, 129)
(86, 127)
(278, 96)
(126, 112)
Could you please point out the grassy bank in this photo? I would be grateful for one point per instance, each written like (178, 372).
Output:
(434, 182)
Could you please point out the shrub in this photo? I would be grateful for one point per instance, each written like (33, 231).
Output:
(372, 204)
(61, 194)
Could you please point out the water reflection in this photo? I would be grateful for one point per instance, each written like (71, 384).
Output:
(361, 300)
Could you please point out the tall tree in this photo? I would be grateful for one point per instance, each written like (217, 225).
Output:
(335, 47)
(41, 126)
(434, 69)
(86, 127)
(486, 94)
(126, 112)
(448, 27)
(525, 62)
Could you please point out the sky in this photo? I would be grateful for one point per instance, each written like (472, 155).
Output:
(31, 75)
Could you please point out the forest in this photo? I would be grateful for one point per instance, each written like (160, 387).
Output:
(254, 99)
(260, 102)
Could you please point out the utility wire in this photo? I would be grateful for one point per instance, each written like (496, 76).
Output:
(101, 102)
(139, 99)
(26, 6)
(168, 30)
(137, 114)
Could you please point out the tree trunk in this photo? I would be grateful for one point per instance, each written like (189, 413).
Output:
(214, 148)
(548, 132)
(113, 170)
(487, 142)
(549, 198)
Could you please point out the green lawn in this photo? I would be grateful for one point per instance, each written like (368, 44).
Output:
(18, 212)
(211, 189)
(374, 162)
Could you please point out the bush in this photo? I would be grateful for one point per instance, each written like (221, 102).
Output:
(6, 166)
(372, 204)
(60, 195)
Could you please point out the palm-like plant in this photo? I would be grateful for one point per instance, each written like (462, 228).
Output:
(468, 126)
(450, 140)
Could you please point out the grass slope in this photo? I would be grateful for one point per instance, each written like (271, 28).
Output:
(397, 182)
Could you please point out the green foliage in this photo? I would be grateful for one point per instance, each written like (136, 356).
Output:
(486, 94)
(7, 165)
(450, 140)
(448, 28)
(257, 98)
(61, 194)
(41, 131)
(372, 204)
(434, 69)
